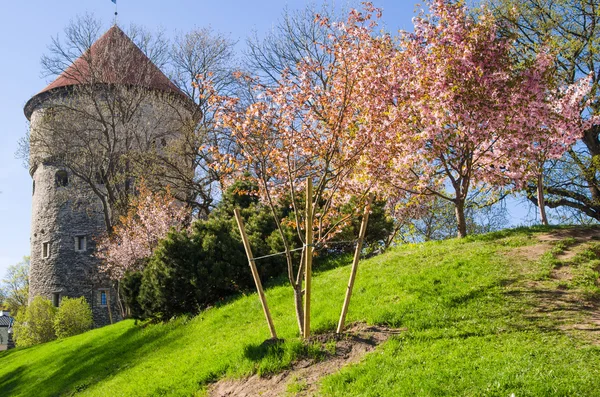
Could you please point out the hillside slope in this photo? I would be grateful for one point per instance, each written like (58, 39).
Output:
(510, 312)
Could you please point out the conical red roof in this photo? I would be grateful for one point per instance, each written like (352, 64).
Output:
(112, 59)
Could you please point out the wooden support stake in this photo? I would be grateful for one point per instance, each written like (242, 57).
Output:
(259, 288)
(308, 257)
(359, 244)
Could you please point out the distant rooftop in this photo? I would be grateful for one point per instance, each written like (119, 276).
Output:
(5, 321)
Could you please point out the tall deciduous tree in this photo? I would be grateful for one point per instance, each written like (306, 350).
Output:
(296, 36)
(571, 29)
(465, 107)
(196, 56)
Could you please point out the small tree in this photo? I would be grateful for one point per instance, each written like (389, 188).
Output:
(74, 316)
(305, 126)
(35, 324)
(15, 286)
(151, 217)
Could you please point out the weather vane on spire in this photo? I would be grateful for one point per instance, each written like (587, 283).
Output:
(116, 13)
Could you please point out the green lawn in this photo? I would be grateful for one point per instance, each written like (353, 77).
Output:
(481, 319)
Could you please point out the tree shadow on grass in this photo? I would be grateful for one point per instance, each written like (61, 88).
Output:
(269, 348)
(85, 366)
(558, 311)
(10, 381)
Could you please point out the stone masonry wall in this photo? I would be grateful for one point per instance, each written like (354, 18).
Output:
(61, 214)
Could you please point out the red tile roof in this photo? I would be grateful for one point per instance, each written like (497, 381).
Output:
(112, 59)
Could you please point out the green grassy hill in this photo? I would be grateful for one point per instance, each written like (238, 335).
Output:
(510, 312)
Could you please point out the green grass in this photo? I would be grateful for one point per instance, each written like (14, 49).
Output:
(472, 309)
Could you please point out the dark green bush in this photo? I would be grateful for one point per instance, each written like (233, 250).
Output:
(192, 269)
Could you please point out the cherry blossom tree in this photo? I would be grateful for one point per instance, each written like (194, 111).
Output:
(151, 217)
(466, 113)
(306, 126)
(558, 136)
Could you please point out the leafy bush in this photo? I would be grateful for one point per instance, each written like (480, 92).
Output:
(194, 268)
(35, 324)
(73, 317)
(190, 271)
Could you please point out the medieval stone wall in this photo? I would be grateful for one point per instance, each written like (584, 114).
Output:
(65, 223)
(67, 216)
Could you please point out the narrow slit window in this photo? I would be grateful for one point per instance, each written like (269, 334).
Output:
(80, 243)
(46, 249)
(56, 299)
(103, 298)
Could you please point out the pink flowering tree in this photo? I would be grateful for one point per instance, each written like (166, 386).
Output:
(151, 217)
(554, 138)
(466, 114)
(307, 127)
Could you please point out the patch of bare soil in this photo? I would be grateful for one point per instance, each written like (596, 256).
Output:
(530, 252)
(580, 235)
(302, 379)
(563, 273)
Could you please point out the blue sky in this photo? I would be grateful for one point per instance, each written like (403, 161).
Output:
(26, 30)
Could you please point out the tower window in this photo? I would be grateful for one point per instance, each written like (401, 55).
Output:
(80, 243)
(33, 188)
(61, 178)
(56, 299)
(103, 298)
(46, 249)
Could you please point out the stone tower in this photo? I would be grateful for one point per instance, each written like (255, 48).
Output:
(68, 214)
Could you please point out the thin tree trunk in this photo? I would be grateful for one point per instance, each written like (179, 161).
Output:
(541, 199)
(120, 301)
(459, 207)
(299, 305)
(308, 257)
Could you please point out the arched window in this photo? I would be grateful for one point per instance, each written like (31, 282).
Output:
(62, 178)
